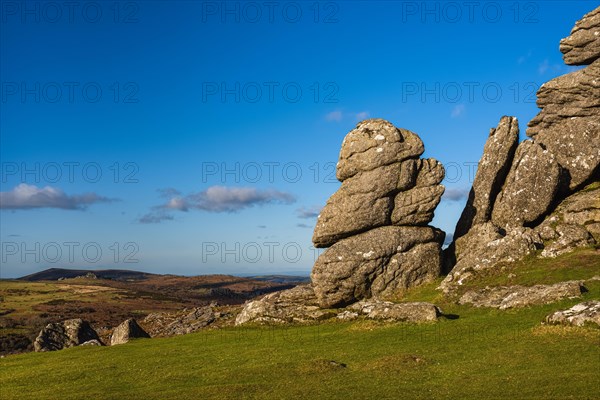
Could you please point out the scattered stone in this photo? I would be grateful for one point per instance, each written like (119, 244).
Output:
(129, 329)
(401, 312)
(92, 342)
(583, 45)
(347, 315)
(62, 335)
(578, 315)
(505, 297)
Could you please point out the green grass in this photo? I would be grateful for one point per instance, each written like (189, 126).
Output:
(470, 354)
(484, 354)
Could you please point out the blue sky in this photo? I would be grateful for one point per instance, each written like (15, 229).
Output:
(194, 137)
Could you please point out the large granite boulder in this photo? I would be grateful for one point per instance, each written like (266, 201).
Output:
(378, 263)
(531, 187)
(126, 331)
(582, 46)
(492, 169)
(373, 144)
(62, 335)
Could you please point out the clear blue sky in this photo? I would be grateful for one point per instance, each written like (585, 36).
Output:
(215, 130)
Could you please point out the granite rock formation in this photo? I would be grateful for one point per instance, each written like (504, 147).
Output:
(376, 223)
(544, 195)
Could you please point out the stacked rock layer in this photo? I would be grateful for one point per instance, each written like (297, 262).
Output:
(376, 224)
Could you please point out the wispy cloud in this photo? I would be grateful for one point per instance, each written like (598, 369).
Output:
(155, 217)
(334, 116)
(455, 194)
(458, 111)
(216, 199)
(309, 212)
(524, 58)
(26, 196)
(362, 115)
(304, 226)
(230, 199)
(339, 116)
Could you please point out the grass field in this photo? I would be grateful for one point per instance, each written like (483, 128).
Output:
(470, 354)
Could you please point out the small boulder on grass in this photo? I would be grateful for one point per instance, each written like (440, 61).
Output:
(65, 334)
(129, 329)
(580, 314)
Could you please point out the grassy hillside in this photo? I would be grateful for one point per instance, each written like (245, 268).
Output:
(470, 354)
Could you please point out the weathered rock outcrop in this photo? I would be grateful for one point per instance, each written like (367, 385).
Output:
(300, 305)
(491, 173)
(543, 202)
(376, 229)
(62, 335)
(378, 263)
(580, 314)
(504, 297)
(530, 188)
(127, 330)
(293, 305)
(376, 223)
(569, 124)
(180, 323)
(582, 46)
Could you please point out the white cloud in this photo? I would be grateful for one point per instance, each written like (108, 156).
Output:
(216, 199)
(362, 115)
(458, 110)
(310, 212)
(26, 196)
(455, 194)
(334, 116)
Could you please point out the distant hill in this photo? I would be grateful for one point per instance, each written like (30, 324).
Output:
(281, 278)
(54, 274)
(124, 275)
